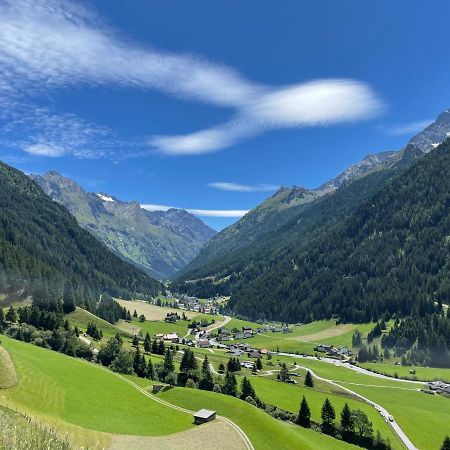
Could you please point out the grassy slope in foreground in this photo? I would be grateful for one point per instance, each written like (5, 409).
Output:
(263, 431)
(55, 386)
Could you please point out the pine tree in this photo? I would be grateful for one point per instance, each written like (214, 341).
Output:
(446, 444)
(11, 315)
(206, 382)
(150, 373)
(135, 341)
(304, 414)
(161, 348)
(168, 364)
(135, 314)
(247, 389)
(155, 347)
(147, 343)
(68, 299)
(328, 415)
(347, 424)
(221, 368)
(259, 364)
(2, 320)
(230, 384)
(309, 382)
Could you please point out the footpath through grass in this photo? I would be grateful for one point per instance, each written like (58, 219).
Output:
(264, 431)
(56, 386)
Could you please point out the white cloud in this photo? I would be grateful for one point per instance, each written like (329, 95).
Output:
(50, 44)
(316, 103)
(45, 150)
(236, 187)
(200, 212)
(409, 128)
(41, 132)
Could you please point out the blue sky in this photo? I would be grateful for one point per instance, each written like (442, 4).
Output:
(212, 105)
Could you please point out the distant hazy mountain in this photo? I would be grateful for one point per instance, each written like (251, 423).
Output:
(159, 242)
(234, 256)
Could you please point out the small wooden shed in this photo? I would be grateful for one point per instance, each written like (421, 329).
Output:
(203, 416)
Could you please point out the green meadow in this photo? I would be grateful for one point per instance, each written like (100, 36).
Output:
(264, 431)
(288, 397)
(422, 373)
(81, 318)
(55, 386)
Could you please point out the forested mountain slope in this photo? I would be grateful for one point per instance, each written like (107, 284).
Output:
(43, 247)
(392, 253)
(158, 242)
(239, 253)
(235, 269)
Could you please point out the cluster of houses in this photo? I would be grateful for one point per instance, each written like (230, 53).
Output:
(242, 349)
(248, 332)
(186, 303)
(331, 350)
(439, 387)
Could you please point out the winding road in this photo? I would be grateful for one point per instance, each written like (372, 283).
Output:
(383, 411)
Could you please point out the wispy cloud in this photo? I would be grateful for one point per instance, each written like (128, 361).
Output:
(41, 132)
(200, 212)
(409, 128)
(237, 187)
(53, 44)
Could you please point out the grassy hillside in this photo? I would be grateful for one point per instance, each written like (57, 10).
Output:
(81, 318)
(18, 433)
(57, 387)
(264, 431)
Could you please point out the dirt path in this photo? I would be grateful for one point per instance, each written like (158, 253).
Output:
(236, 428)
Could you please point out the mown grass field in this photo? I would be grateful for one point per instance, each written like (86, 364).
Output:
(56, 386)
(422, 373)
(424, 418)
(264, 431)
(288, 397)
(80, 318)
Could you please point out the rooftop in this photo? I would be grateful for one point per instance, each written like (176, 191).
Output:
(204, 413)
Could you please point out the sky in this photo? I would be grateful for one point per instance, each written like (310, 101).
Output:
(212, 106)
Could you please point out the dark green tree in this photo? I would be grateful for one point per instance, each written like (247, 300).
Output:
(259, 364)
(247, 389)
(11, 315)
(347, 424)
(304, 414)
(147, 343)
(446, 444)
(309, 381)
(206, 381)
(229, 384)
(328, 415)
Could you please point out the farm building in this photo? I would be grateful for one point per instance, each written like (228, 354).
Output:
(203, 343)
(203, 416)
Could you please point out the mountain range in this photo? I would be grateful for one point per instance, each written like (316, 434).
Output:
(245, 259)
(158, 242)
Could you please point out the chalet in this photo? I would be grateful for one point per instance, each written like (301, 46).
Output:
(170, 336)
(247, 364)
(235, 352)
(159, 336)
(203, 343)
(324, 348)
(247, 335)
(157, 387)
(238, 336)
(247, 329)
(264, 351)
(203, 416)
(254, 354)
